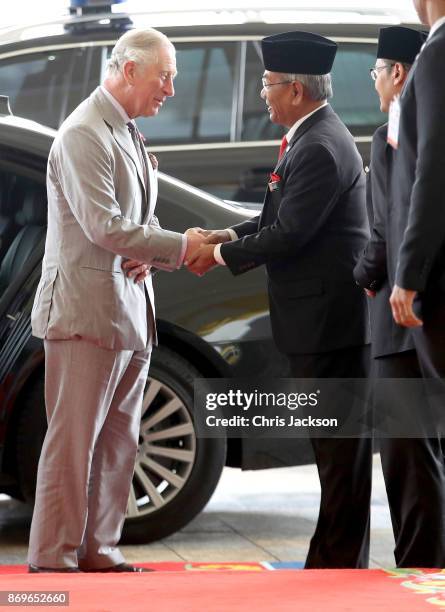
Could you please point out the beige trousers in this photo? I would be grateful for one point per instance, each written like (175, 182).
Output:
(93, 402)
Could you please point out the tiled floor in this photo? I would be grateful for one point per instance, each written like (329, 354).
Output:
(253, 516)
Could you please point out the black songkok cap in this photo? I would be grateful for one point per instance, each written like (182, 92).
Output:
(298, 53)
(400, 44)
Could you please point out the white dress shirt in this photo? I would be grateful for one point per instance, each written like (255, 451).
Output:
(297, 124)
(436, 25)
(117, 105)
(217, 251)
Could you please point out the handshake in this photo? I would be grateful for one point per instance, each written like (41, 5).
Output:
(199, 255)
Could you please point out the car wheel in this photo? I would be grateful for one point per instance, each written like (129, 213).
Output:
(175, 472)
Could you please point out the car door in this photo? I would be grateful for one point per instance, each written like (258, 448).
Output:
(22, 236)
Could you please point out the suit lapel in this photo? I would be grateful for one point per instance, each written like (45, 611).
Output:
(123, 139)
(119, 131)
(409, 78)
(324, 112)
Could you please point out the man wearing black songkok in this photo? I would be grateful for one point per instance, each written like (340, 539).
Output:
(310, 233)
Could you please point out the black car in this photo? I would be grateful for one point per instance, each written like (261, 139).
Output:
(215, 326)
(215, 133)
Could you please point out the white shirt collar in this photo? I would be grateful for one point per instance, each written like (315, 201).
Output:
(297, 124)
(120, 109)
(436, 26)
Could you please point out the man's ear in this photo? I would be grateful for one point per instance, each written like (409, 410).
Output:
(129, 71)
(399, 73)
(297, 91)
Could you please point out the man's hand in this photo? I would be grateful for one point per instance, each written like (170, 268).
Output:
(212, 236)
(194, 241)
(202, 260)
(401, 301)
(139, 270)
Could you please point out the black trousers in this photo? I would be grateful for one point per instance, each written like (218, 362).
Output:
(414, 474)
(341, 538)
(429, 340)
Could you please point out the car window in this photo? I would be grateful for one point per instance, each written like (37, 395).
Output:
(23, 207)
(355, 99)
(201, 110)
(44, 86)
(256, 122)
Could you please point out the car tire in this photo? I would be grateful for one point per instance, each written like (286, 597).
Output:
(177, 377)
(194, 465)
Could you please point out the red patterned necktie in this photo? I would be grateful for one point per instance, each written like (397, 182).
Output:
(283, 147)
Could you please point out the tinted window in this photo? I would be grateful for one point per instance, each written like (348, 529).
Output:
(44, 86)
(256, 122)
(22, 223)
(201, 110)
(355, 99)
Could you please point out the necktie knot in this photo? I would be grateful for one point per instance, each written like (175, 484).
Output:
(133, 130)
(283, 147)
(136, 134)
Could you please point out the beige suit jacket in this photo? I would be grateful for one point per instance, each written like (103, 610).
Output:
(99, 214)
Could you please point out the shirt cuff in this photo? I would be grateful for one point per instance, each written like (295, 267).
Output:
(183, 251)
(233, 234)
(217, 255)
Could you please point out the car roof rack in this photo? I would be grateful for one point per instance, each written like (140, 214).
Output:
(88, 7)
(102, 18)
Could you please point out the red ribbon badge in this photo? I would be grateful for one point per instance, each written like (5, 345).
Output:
(274, 181)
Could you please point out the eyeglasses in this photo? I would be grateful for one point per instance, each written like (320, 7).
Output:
(266, 85)
(374, 72)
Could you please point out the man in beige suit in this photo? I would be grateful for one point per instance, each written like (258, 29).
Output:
(94, 308)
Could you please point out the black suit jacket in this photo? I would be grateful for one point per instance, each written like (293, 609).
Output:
(309, 235)
(418, 259)
(371, 270)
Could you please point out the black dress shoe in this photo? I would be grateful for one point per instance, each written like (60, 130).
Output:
(121, 567)
(35, 569)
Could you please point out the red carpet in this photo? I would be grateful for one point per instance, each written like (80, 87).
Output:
(226, 591)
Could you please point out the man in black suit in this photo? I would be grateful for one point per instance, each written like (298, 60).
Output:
(412, 467)
(310, 233)
(397, 49)
(417, 260)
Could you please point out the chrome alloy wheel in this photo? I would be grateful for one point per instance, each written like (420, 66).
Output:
(166, 452)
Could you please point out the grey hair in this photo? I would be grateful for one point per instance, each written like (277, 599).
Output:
(318, 86)
(406, 66)
(139, 45)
